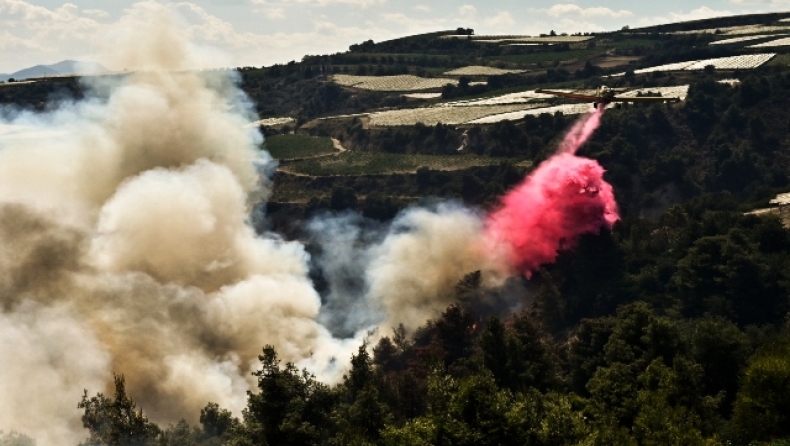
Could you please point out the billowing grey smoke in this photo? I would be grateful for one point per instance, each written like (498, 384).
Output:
(426, 253)
(126, 247)
(342, 245)
(402, 273)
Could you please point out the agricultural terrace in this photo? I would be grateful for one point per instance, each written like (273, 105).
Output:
(509, 106)
(521, 97)
(778, 42)
(478, 70)
(271, 122)
(549, 57)
(445, 115)
(285, 147)
(742, 62)
(745, 39)
(678, 91)
(737, 30)
(521, 39)
(369, 163)
(422, 95)
(565, 109)
(405, 82)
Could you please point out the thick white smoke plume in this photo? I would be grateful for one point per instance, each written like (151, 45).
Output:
(427, 252)
(126, 247)
(403, 273)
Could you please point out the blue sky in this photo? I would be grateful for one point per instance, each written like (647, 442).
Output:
(263, 32)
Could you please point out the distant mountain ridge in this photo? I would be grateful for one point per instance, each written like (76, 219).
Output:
(61, 68)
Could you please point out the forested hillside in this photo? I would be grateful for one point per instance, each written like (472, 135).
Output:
(670, 329)
(668, 332)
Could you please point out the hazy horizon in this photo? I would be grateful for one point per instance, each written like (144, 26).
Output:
(260, 32)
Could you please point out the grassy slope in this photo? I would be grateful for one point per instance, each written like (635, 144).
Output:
(298, 146)
(548, 56)
(367, 163)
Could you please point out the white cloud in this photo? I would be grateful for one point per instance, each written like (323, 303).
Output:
(467, 11)
(20, 14)
(361, 3)
(566, 9)
(760, 2)
(205, 25)
(323, 38)
(703, 12)
(411, 25)
(31, 34)
(272, 13)
(37, 34)
(573, 26)
(99, 13)
(9, 42)
(502, 20)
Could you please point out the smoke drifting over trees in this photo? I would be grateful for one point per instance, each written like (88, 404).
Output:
(126, 247)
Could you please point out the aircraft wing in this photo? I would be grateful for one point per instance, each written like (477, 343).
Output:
(584, 97)
(643, 99)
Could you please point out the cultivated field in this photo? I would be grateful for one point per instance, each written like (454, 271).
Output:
(298, 146)
(744, 39)
(521, 39)
(678, 91)
(566, 109)
(521, 97)
(614, 61)
(367, 163)
(444, 114)
(743, 62)
(270, 122)
(403, 82)
(422, 95)
(778, 42)
(730, 82)
(677, 66)
(549, 57)
(737, 30)
(478, 70)
(509, 106)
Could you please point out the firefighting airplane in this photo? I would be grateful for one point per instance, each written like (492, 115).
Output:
(605, 95)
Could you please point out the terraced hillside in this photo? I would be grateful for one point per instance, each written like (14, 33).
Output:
(456, 105)
(458, 98)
